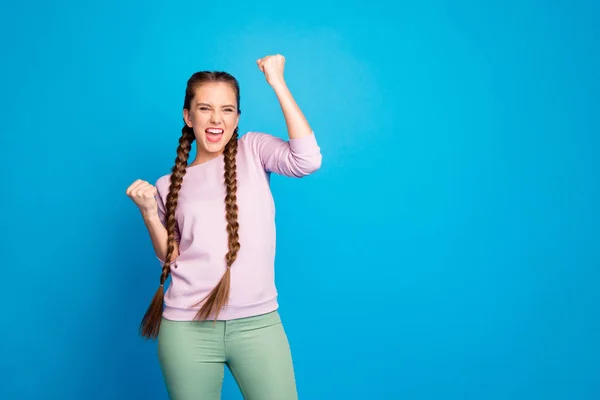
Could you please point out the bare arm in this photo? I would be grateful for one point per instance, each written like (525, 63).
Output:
(158, 236)
(300, 155)
(144, 196)
(297, 125)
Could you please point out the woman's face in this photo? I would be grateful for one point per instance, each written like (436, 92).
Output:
(213, 115)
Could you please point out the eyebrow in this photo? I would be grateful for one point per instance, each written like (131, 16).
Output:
(206, 104)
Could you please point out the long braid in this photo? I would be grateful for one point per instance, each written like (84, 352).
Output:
(219, 296)
(150, 324)
(231, 207)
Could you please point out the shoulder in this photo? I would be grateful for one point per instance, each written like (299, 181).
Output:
(252, 137)
(256, 140)
(162, 184)
(252, 142)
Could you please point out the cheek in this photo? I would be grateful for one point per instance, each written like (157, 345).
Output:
(201, 117)
(231, 120)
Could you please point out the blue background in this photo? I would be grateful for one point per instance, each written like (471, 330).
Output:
(448, 248)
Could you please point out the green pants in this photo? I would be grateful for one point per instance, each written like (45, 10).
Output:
(193, 355)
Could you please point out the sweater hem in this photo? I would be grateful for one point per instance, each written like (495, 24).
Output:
(227, 313)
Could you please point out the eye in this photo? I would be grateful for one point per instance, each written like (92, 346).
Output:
(229, 109)
(204, 108)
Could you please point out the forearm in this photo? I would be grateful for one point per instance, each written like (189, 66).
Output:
(158, 236)
(297, 125)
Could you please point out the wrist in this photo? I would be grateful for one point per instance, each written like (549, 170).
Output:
(278, 84)
(149, 215)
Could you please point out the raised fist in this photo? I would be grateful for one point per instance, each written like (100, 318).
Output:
(142, 193)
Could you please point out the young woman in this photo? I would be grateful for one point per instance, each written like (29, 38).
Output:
(211, 223)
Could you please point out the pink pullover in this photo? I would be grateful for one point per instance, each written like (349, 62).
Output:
(202, 227)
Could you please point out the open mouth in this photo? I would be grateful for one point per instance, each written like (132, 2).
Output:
(214, 134)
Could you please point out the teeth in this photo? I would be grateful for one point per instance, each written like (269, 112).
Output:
(214, 131)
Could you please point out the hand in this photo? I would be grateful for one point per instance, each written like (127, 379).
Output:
(272, 67)
(142, 193)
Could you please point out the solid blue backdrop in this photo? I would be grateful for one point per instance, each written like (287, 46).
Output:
(447, 249)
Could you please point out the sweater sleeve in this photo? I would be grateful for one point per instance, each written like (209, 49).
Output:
(162, 189)
(292, 158)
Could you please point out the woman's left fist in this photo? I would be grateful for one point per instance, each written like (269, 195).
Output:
(272, 67)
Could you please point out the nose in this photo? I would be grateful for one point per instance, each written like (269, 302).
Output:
(215, 118)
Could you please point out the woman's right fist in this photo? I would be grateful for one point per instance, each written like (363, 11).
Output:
(142, 193)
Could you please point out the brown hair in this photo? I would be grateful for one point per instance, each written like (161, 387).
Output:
(219, 296)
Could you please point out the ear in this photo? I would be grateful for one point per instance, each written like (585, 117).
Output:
(186, 118)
